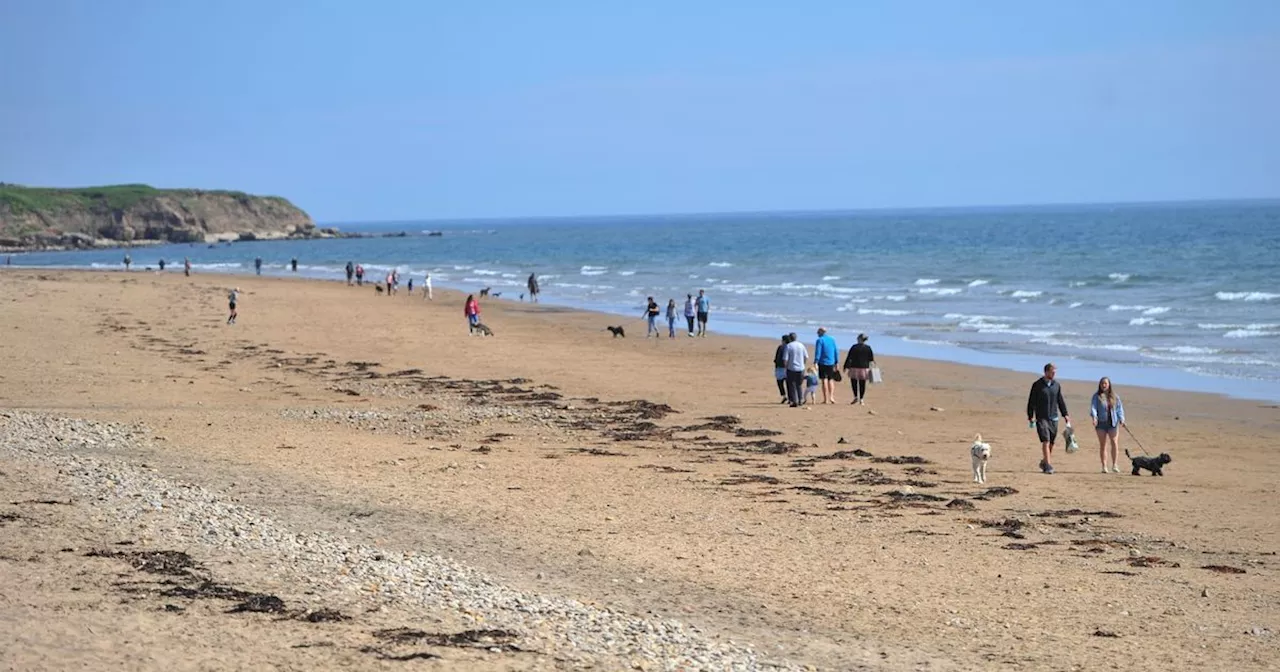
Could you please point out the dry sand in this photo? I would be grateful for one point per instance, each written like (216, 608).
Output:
(335, 411)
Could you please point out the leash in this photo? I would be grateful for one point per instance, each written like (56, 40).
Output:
(1135, 440)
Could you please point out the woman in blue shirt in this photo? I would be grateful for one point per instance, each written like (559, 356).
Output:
(1108, 417)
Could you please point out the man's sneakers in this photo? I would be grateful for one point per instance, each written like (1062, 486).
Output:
(1046, 467)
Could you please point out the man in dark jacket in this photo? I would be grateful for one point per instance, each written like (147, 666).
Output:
(779, 364)
(1044, 405)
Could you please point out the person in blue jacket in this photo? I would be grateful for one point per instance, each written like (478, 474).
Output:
(1107, 414)
(827, 356)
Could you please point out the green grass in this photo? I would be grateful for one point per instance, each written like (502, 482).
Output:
(114, 197)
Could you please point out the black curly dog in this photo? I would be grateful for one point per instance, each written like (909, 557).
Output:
(617, 331)
(1151, 464)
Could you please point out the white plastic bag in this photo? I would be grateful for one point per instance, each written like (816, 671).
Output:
(1069, 435)
(876, 376)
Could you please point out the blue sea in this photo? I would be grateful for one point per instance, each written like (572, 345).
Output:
(1178, 296)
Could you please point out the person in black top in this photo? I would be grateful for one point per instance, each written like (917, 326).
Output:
(651, 312)
(1044, 405)
(780, 366)
(857, 365)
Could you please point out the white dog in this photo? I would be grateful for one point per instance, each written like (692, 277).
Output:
(980, 452)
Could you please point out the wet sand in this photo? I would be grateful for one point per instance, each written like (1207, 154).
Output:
(652, 477)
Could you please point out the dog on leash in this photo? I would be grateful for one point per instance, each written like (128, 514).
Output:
(480, 327)
(484, 292)
(1155, 465)
(617, 331)
(979, 453)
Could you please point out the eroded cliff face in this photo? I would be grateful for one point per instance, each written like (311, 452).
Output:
(168, 216)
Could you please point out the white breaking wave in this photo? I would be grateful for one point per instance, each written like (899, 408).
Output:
(1120, 277)
(1119, 307)
(925, 282)
(481, 271)
(720, 264)
(1189, 350)
(829, 278)
(1217, 327)
(626, 272)
(1246, 296)
(1250, 333)
(1158, 310)
(1076, 304)
(883, 311)
(593, 270)
(979, 283)
(940, 291)
(1026, 294)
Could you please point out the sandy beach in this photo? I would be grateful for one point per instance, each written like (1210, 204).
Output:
(554, 498)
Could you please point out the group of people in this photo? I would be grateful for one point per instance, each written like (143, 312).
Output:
(186, 264)
(799, 377)
(1046, 407)
(698, 310)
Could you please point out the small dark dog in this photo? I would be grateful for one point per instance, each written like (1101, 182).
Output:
(484, 292)
(496, 294)
(1155, 465)
(378, 288)
(480, 327)
(617, 331)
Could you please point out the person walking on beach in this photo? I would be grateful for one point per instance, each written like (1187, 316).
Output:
(257, 265)
(651, 312)
(186, 266)
(671, 318)
(795, 360)
(390, 278)
(1107, 413)
(410, 286)
(231, 302)
(857, 365)
(826, 355)
(780, 367)
(532, 284)
(689, 312)
(426, 289)
(1044, 405)
(162, 265)
(293, 263)
(704, 310)
(472, 311)
(351, 271)
(359, 275)
(811, 385)
(128, 261)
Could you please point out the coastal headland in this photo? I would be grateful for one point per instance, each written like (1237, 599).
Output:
(349, 479)
(138, 214)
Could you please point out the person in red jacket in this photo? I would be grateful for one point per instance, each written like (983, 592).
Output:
(472, 311)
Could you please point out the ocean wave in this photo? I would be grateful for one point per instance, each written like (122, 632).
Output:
(1152, 322)
(940, 291)
(217, 265)
(575, 285)
(628, 273)
(1120, 277)
(1246, 296)
(1188, 350)
(1026, 294)
(1076, 304)
(1250, 333)
(549, 276)
(1062, 343)
(884, 311)
(1157, 310)
(481, 271)
(1219, 327)
(925, 282)
(1078, 283)
(462, 268)
(829, 278)
(892, 297)
(720, 264)
(593, 270)
(979, 283)
(1119, 307)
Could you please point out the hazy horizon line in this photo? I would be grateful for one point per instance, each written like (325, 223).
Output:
(829, 211)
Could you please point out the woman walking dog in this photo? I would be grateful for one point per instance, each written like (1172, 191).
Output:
(1108, 417)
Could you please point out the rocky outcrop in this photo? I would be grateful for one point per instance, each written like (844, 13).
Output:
(33, 218)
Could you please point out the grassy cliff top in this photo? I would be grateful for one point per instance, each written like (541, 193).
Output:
(21, 199)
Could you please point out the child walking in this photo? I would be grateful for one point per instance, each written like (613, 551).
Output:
(671, 318)
(810, 384)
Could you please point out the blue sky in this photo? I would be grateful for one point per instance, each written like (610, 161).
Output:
(403, 110)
